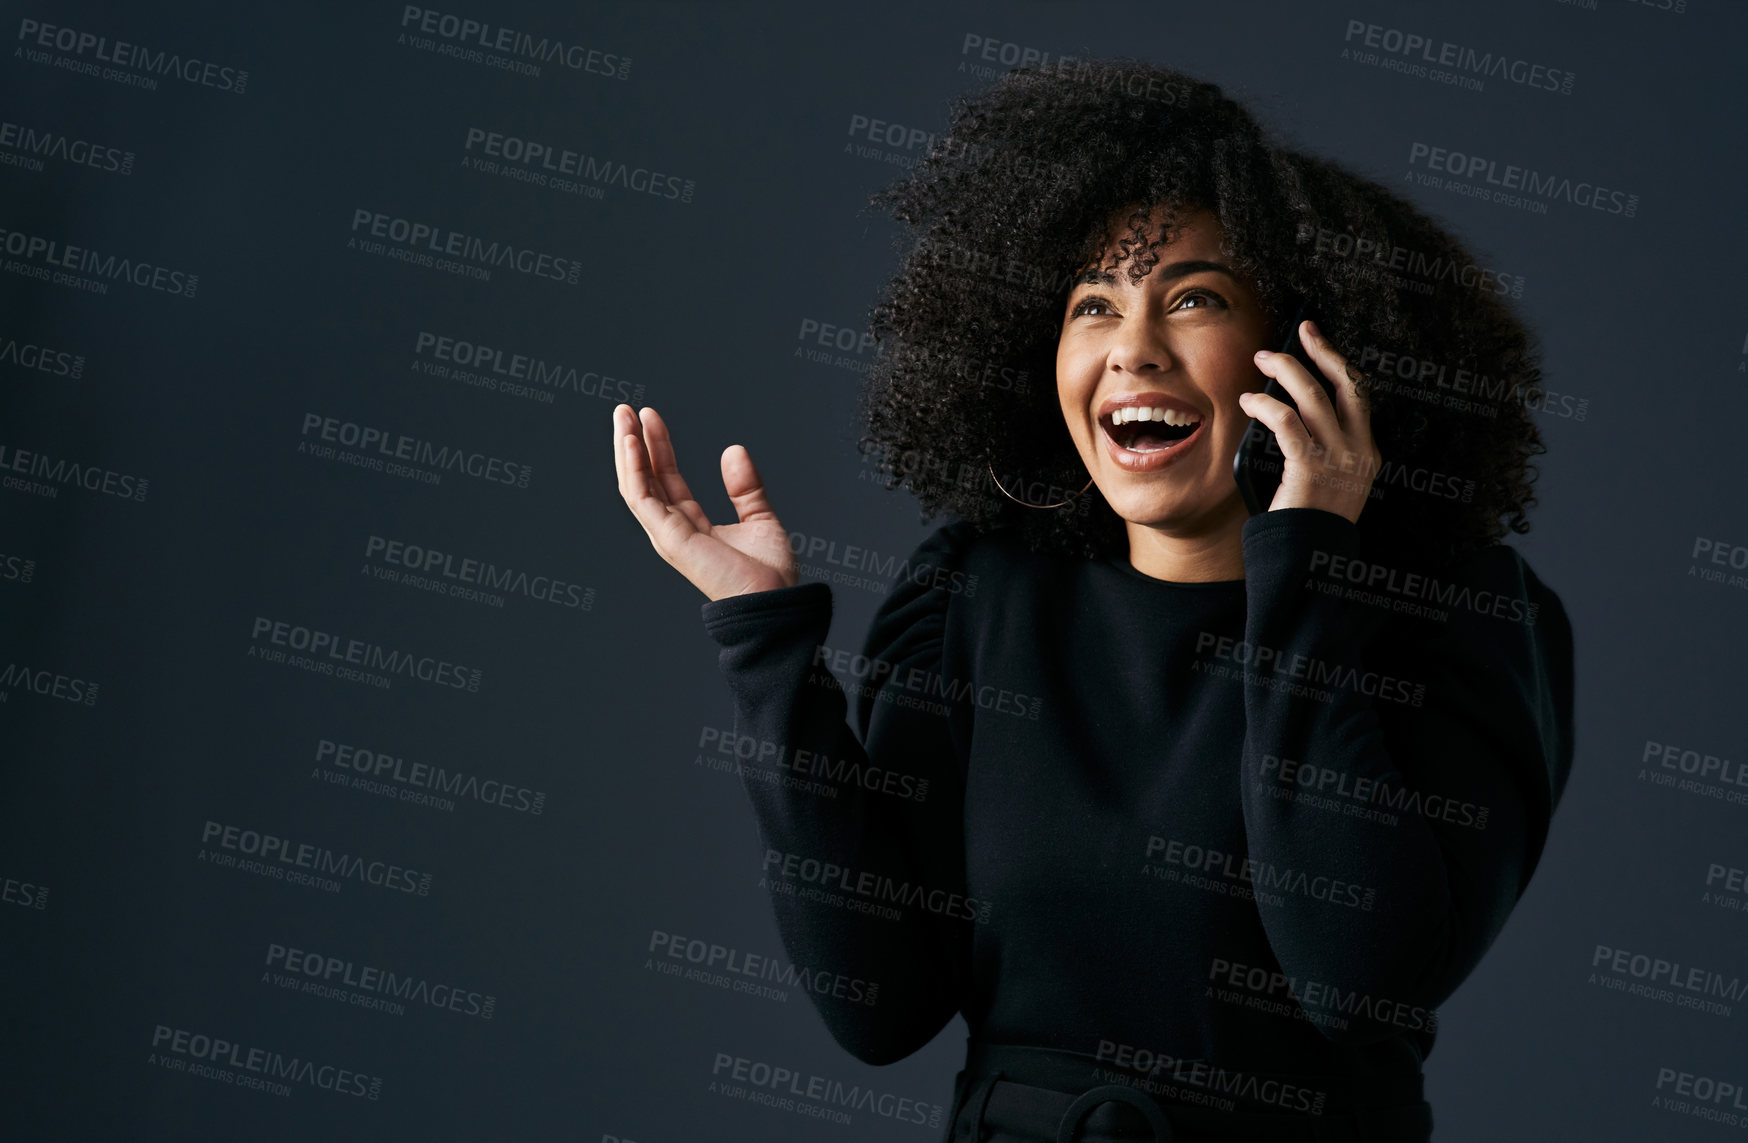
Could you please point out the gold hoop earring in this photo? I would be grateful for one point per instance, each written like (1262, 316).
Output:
(1027, 503)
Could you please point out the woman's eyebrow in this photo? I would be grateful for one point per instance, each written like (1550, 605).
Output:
(1098, 277)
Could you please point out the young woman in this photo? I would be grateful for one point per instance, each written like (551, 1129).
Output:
(1196, 816)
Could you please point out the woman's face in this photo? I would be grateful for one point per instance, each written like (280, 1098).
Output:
(1149, 376)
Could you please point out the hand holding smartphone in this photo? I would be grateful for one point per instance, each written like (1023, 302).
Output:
(1259, 463)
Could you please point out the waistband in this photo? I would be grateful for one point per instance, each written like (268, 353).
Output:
(1011, 1092)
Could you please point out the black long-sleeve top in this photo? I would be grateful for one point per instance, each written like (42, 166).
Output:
(1267, 823)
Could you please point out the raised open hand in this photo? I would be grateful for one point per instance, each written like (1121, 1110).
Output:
(719, 559)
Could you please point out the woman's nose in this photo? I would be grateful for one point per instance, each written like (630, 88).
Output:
(1140, 346)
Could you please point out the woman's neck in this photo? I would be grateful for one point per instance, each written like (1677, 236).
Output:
(1211, 550)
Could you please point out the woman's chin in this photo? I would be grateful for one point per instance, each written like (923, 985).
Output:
(1170, 509)
(1157, 512)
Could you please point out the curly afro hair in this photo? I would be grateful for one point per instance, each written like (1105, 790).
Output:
(1015, 198)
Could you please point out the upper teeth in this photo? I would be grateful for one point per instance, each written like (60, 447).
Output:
(1138, 413)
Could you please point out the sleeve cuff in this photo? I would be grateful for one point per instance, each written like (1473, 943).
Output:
(1287, 538)
(727, 618)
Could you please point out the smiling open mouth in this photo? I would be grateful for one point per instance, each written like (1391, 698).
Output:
(1141, 429)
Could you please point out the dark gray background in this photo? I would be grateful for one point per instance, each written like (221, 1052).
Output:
(700, 303)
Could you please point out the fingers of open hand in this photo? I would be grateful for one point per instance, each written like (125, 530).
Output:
(666, 527)
(628, 456)
(666, 469)
(746, 491)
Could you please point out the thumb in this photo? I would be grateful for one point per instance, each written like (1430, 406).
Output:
(740, 479)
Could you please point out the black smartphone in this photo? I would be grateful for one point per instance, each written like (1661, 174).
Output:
(1259, 463)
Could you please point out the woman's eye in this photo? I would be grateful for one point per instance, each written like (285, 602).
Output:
(1211, 299)
(1099, 307)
